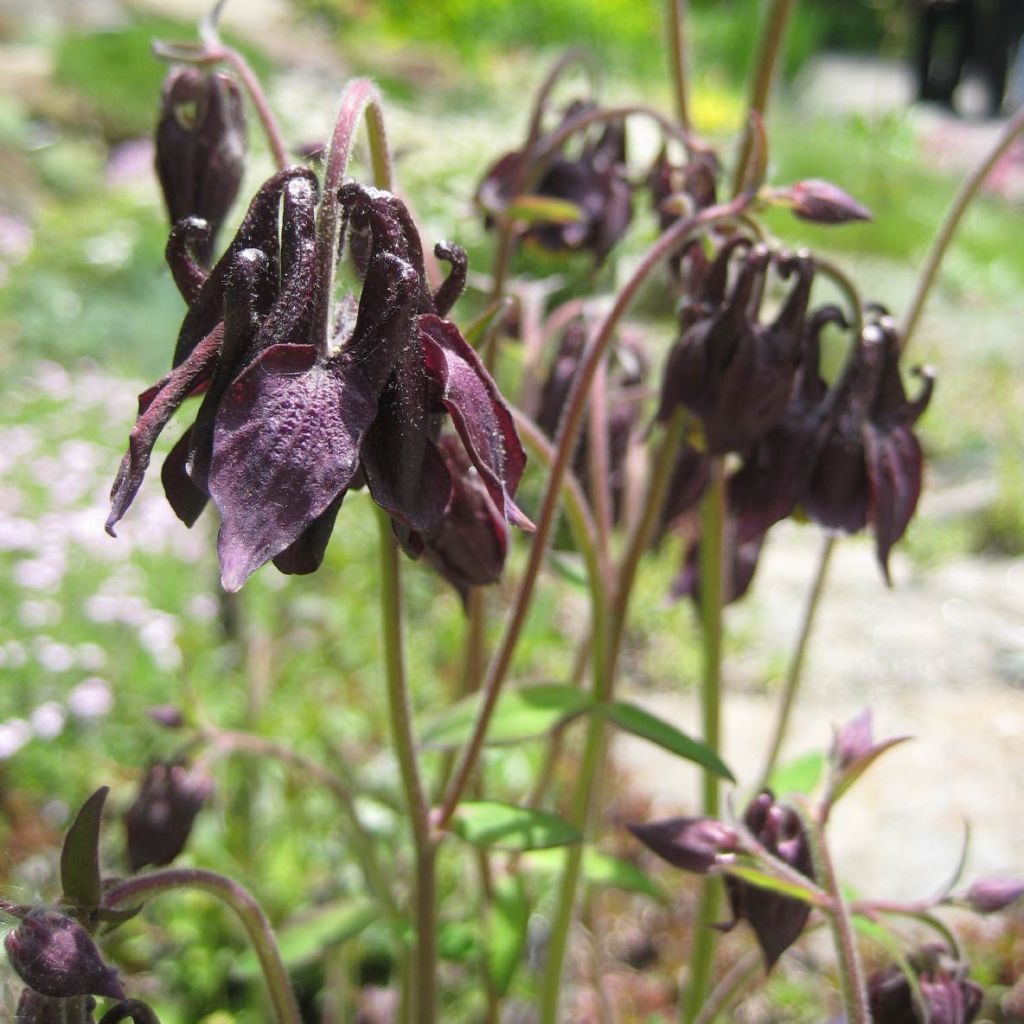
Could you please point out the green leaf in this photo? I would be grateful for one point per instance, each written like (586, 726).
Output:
(303, 939)
(507, 930)
(649, 727)
(801, 775)
(534, 209)
(480, 327)
(502, 826)
(746, 873)
(600, 869)
(80, 856)
(522, 713)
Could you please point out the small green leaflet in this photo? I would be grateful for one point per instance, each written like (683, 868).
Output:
(523, 713)
(649, 727)
(765, 881)
(599, 869)
(502, 826)
(534, 209)
(801, 775)
(303, 939)
(80, 856)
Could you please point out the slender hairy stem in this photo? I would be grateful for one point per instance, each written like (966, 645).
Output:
(612, 623)
(968, 190)
(360, 97)
(734, 982)
(559, 68)
(712, 571)
(404, 741)
(360, 840)
(771, 35)
(851, 970)
(217, 53)
(249, 912)
(677, 56)
(565, 444)
(796, 661)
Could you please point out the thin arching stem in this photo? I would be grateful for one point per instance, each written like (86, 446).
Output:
(968, 190)
(677, 56)
(565, 445)
(796, 661)
(249, 912)
(563, 64)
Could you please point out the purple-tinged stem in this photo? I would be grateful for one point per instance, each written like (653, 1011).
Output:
(249, 912)
(565, 445)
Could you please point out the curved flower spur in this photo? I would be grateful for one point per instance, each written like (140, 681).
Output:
(288, 421)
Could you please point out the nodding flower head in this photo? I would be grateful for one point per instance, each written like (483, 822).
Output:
(289, 421)
(592, 180)
(200, 147)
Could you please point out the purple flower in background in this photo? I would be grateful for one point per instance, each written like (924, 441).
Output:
(200, 147)
(159, 822)
(948, 995)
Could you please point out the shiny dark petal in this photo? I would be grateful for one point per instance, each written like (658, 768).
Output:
(187, 500)
(837, 494)
(157, 406)
(286, 444)
(306, 553)
(453, 285)
(693, 844)
(478, 411)
(895, 466)
(260, 229)
(405, 472)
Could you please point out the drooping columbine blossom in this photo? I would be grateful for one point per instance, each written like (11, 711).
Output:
(593, 181)
(693, 844)
(733, 372)
(948, 995)
(200, 147)
(777, 920)
(159, 822)
(869, 464)
(289, 420)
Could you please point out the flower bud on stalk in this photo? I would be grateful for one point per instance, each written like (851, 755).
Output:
(200, 147)
(158, 824)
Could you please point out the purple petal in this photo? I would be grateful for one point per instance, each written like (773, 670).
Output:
(894, 467)
(478, 411)
(306, 553)
(286, 444)
(156, 407)
(187, 500)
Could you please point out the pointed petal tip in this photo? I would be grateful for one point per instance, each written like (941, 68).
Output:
(515, 515)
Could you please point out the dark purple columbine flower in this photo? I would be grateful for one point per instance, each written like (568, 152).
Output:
(733, 372)
(777, 920)
(288, 421)
(948, 995)
(593, 181)
(627, 372)
(869, 464)
(200, 147)
(742, 558)
(468, 544)
(159, 822)
(55, 957)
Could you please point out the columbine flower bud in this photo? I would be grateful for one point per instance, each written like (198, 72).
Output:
(989, 895)
(55, 956)
(158, 824)
(693, 844)
(852, 741)
(200, 147)
(824, 203)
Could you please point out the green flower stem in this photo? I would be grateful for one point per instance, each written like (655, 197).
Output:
(677, 54)
(598, 458)
(358, 838)
(968, 190)
(249, 912)
(770, 45)
(712, 569)
(605, 655)
(851, 970)
(734, 982)
(359, 98)
(565, 445)
(402, 737)
(796, 661)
